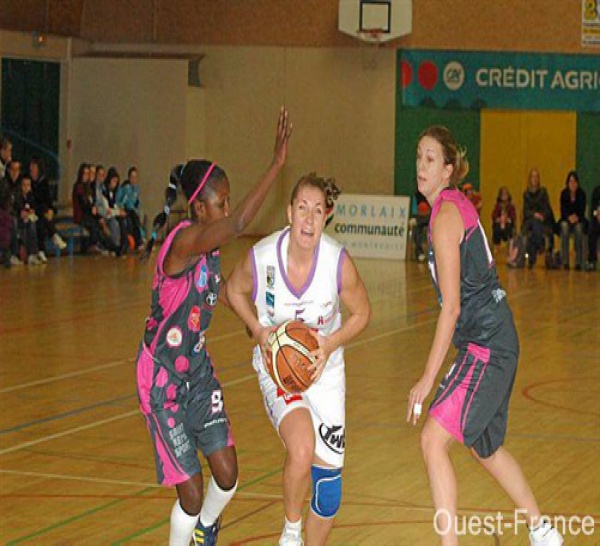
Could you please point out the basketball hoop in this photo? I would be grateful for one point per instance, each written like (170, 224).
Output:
(371, 40)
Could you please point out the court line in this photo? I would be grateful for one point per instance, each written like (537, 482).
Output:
(69, 520)
(93, 369)
(98, 423)
(525, 391)
(64, 414)
(240, 491)
(65, 376)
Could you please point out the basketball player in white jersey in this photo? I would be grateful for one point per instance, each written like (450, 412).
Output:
(301, 273)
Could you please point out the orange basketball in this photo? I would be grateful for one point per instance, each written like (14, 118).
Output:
(291, 345)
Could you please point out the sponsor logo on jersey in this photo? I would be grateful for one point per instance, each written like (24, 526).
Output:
(200, 344)
(270, 276)
(203, 278)
(174, 337)
(194, 319)
(334, 437)
(211, 299)
(270, 298)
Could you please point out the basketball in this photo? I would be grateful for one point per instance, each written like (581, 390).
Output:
(288, 366)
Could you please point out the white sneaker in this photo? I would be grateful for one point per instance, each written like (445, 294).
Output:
(14, 260)
(291, 537)
(42, 257)
(33, 260)
(545, 535)
(58, 241)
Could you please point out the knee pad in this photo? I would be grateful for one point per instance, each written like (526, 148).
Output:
(327, 491)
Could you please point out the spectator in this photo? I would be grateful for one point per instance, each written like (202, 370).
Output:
(5, 155)
(115, 218)
(128, 200)
(13, 176)
(44, 205)
(572, 219)
(473, 196)
(593, 230)
(6, 225)
(538, 218)
(27, 222)
(504, 217)
(85, 212)
(11, 182)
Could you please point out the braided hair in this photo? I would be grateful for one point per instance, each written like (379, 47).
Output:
(197, 179)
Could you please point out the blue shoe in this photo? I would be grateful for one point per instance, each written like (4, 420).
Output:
(206, 536)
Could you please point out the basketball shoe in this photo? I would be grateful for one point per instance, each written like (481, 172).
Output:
(545, 535)
(206, 536)
(291, 537)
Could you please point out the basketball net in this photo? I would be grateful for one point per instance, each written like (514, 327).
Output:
(370, 44)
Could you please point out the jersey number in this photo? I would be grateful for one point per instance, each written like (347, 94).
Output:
(216, 402)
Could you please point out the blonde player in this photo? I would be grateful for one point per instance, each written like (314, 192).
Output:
(471, 404)
(301, 273)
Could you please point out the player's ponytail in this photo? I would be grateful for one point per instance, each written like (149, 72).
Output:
(161, 219)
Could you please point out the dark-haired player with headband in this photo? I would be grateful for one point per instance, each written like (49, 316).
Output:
(179, 393)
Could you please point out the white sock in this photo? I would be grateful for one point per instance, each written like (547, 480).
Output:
(182, 526)
(215, 502)
(293, 525)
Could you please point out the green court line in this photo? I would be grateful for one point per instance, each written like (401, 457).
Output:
(72, 519)
(146, 530)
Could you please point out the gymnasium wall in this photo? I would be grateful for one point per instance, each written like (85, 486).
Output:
(120, 114)
(259, 56)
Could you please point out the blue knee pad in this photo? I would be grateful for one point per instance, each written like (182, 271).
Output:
(327, 491)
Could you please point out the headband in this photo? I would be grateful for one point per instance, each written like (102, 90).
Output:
(202, 183)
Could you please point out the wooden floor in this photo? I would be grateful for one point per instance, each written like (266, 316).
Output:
(76, 465)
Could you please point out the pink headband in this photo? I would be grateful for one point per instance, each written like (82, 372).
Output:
(202, 183)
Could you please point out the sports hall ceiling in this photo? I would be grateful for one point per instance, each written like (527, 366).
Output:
(518, 25)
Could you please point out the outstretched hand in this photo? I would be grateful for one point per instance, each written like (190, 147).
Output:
(284, 131)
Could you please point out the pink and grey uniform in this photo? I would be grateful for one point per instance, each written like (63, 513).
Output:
(472, 401)
(179, 393)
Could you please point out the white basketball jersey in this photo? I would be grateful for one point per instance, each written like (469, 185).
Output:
(317, 303)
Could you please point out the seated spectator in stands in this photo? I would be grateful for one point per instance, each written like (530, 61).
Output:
(27, 222)
(128, 199)
(85, 212)
(572, 219)
(421, 214)
(472, 195)
(504, 217)
(5, 155)
(13, 176)
(115, 218)
(11, 182)
(6, 225)
(44, 205)
(593, 229)
(538, 218)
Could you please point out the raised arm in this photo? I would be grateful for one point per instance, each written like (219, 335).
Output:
(199, 239)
